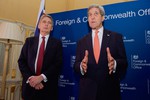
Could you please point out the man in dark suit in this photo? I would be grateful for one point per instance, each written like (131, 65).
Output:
(100, 60)
(44, 85)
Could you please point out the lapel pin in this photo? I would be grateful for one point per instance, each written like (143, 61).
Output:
(108, 34)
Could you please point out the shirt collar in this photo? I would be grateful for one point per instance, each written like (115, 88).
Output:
(100, 30)
(46, 37)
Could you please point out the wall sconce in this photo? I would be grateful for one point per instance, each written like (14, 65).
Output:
(10, 33)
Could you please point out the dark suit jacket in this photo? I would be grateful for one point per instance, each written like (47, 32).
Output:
(51, 68)
(97, 84)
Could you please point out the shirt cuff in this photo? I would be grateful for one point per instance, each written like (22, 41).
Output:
(115, 65)
(81, 70)
(45, 78)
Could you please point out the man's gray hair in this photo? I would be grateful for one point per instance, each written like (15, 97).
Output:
(101, 8)
(46, 15)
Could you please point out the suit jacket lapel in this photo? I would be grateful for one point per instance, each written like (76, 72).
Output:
(90, 46)
(35, 48)
(104, 45)
(36, 42)
(48, 46)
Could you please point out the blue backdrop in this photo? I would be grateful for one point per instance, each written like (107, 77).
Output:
(132, 20)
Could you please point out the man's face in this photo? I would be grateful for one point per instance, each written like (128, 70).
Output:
(95, 19)
(45, 25)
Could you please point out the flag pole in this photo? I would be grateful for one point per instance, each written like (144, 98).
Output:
(41, 11)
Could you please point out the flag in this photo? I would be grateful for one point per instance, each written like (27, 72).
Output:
(41, 11)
